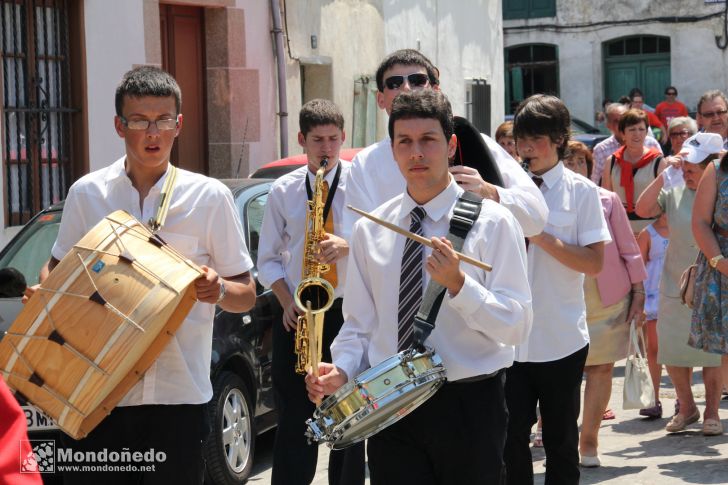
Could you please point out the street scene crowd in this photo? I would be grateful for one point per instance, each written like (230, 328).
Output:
(586, 250)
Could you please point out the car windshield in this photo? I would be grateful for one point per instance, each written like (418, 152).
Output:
(30, 251)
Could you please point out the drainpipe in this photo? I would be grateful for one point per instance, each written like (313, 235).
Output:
(281, 65)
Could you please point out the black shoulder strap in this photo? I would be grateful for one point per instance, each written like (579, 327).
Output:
(614, 159)
(656, 165)
(465, 213)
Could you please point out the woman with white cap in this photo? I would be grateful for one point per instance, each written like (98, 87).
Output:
(709, 329)
(673, 317)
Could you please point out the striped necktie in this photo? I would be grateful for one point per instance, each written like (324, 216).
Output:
(410, 282)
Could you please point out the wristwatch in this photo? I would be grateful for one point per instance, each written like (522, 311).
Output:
(714, 260)
(222, 292)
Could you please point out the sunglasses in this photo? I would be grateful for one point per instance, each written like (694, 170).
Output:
(415, 80)
(712, 114)
(671, 93)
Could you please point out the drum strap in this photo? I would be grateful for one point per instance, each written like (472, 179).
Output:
(465, 213)
(165, 197)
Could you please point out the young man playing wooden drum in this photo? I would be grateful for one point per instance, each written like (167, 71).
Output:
(280, 259)
(457, 436)
(166, 410)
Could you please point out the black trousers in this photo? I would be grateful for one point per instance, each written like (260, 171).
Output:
(556, 387)
(456, 437)
(294, 460)
(177, 431)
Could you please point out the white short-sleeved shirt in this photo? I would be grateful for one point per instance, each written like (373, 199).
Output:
(282, 235)
(202, 224)
(375, 178)
(475, 330)
(575, 217)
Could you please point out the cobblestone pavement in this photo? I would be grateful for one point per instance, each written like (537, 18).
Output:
(634, 450)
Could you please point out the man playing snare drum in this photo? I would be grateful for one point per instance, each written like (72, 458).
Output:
(166, 410)
(458, 435)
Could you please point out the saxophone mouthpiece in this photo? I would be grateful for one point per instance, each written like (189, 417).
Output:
(324, 161)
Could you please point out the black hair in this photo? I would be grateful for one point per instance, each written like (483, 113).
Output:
(147, 81)
(635, 92)
(406, 57)
(543, 114)
(671, 88)
(12, 283)
(318, 112)
(424, 103)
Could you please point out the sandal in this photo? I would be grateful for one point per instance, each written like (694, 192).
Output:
(608, 414)
(655, 412)
(712, 427)
(679, 422)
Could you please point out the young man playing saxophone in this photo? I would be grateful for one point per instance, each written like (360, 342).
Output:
(280, 262)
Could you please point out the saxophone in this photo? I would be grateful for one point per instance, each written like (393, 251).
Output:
(314, 295)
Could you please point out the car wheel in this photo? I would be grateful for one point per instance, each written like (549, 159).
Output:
(229, 449)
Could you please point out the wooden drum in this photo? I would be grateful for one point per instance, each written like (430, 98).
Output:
(98, 322)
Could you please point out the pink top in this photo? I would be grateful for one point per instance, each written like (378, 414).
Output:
(623, 263)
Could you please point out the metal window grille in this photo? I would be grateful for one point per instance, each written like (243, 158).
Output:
(37, 148)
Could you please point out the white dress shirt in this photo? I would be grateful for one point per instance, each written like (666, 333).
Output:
(375, 178)
(282, 235)
(575, 217)
(476, 330)
(202, 224)
(605, 148)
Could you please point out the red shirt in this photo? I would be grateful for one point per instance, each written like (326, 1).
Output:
(667, 111)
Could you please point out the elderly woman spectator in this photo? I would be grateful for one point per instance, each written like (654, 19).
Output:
(679, 130)
(709, 326)
(634, 166)
(673, 317)
(613, 299)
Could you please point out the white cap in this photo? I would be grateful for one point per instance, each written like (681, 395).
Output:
(697, 148)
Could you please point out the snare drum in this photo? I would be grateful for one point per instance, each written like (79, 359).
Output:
(98, 322)
(376, 398)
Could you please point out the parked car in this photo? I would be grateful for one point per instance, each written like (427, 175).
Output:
(581, 131)
(240, 370)
(280, 167)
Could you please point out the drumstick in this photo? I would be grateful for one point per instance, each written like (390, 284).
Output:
(419, 239)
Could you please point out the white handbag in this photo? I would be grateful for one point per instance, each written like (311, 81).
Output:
(638, 391)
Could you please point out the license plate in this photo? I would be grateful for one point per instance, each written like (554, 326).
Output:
(37, 420)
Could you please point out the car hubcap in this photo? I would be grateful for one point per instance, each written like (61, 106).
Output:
(236, 430)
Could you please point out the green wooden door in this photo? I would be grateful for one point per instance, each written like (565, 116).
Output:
(638, 61)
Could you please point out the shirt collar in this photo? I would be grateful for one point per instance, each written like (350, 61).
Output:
(551, 177)
(117, 173)
(329, 177)
(438, 207)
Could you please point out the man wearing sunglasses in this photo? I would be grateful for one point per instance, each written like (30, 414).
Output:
(713, 114)
(375, 178)
(671, 107)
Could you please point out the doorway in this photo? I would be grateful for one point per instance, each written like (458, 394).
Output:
(183, 56)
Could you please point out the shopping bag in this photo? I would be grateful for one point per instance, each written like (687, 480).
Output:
(638, 392)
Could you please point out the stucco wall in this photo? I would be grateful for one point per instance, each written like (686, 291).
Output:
(696, 63)
(463, 39)
(350, 38)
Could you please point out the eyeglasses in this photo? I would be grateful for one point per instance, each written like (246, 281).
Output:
(162, 125)
(712, 114)
(682, 133)
(415, 80)
(671, 93)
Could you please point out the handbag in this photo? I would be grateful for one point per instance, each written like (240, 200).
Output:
(687, 284)
(638, 392)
